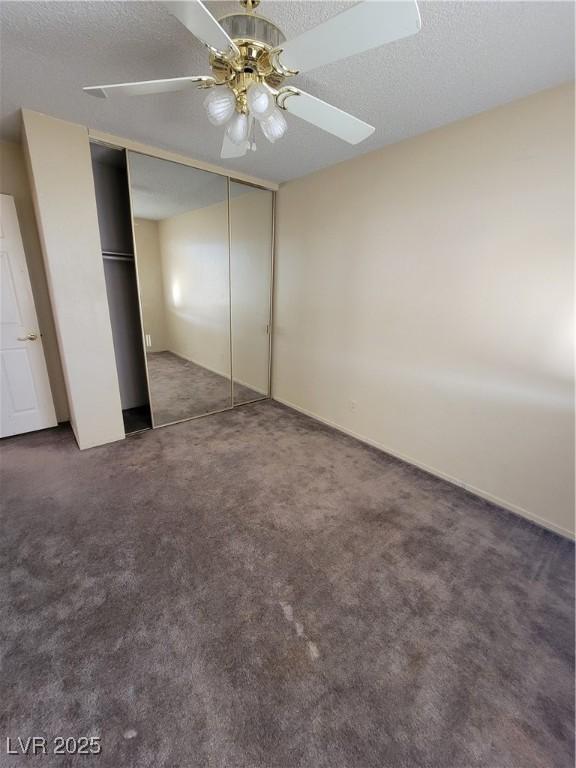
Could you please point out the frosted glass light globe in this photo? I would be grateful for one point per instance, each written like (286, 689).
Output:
(220, 105)
(237, 128)
(274, 126)
(260, 101)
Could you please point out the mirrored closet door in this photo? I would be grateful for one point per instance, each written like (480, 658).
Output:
(251, 232)
(181, 237)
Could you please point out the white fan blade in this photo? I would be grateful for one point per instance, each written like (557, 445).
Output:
(230, 150)
(147, 86)
(198, 20)
(364, 26)
(324, 116)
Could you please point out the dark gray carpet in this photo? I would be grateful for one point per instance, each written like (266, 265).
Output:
(180, 389)
(136, 419)
(255, 590)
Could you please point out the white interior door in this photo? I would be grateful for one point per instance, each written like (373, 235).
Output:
(25, 396)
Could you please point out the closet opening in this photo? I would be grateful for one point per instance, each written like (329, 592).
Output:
(115, 223)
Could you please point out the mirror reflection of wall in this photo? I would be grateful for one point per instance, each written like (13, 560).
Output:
(181, 234)
(250, 275)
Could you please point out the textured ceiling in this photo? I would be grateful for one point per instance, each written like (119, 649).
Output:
(468, 57)
(160, 189)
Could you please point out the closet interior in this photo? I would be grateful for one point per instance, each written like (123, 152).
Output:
(115, 224)
(188, 260)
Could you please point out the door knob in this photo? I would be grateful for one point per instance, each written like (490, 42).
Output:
(29, 337)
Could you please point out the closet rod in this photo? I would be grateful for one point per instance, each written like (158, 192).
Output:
(117, 257)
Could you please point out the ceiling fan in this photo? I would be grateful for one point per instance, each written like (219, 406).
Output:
(251, 59)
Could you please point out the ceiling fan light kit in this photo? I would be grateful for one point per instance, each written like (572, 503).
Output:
(237, 128)
(220, 105)
(251, 60)
(260, 100)
(274, 126)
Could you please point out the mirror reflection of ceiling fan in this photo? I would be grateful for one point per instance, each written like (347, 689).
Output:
(251, 59)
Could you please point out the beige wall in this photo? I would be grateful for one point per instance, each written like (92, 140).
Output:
(424, 302)
(14, 181)
(194, 249)
(60, 171)
(151, 283)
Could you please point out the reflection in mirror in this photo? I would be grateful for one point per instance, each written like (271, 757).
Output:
(181, 236)
(250, 280)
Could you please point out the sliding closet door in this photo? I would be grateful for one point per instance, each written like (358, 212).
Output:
(180, 219)
(251, 211)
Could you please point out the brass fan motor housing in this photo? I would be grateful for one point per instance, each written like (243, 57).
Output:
(256, 60)
(252, 66)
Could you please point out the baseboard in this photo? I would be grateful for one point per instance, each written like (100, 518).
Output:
(195, 362)
(520, 511)
(218, 373)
